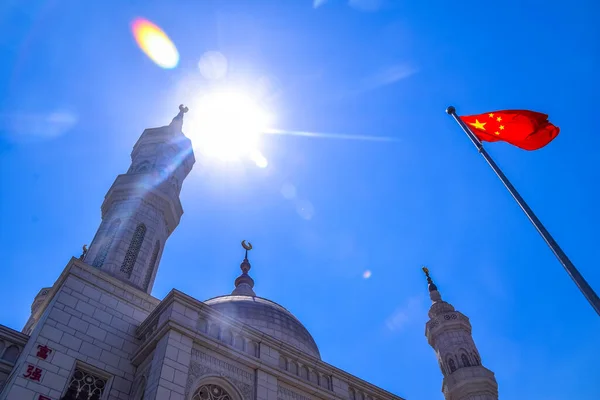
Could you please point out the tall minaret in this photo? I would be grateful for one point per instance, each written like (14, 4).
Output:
(142, 207)
(449, 333)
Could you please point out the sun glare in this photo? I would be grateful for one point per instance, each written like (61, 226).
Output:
(228, 125)
(155, 43)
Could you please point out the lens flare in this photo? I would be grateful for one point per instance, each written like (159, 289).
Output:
(155, 43)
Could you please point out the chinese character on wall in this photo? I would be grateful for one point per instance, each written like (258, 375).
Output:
(43, 351)
(34, 373)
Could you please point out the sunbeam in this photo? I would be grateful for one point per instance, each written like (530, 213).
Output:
(321, 135)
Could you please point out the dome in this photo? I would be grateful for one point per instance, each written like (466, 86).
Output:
(268, 317)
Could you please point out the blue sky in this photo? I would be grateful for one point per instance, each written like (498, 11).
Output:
(76, 92)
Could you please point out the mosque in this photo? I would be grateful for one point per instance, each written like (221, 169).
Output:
(98, 334)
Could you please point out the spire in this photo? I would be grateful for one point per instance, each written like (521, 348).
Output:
(434, 295)
(439, 306)
(244, 283)
(430, 285)
(177, 122)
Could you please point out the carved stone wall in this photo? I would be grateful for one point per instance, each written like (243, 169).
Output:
(284, 393)
(204, 364)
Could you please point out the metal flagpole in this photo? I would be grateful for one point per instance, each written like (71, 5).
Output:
(581, 283)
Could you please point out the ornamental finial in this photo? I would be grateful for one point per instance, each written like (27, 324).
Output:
(247, 246)
(84, 253)
(431, 285)
(177, 122)
(244, 283)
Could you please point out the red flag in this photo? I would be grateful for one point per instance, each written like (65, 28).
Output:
(528, 130)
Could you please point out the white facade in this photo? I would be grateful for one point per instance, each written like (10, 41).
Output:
(97, 334)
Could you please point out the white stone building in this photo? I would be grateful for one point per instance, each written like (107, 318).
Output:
(98, 334)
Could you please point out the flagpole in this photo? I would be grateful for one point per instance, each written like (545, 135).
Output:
(581, 283)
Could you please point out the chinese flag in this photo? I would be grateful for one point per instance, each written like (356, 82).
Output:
(528, 130)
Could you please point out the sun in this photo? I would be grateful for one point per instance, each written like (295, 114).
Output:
(227, 125)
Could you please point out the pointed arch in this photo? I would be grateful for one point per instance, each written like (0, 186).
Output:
(106, 242)
(476, 359)
(465, 360)
(133, 250)
(451, 364)
(151, 265)
(144, 166)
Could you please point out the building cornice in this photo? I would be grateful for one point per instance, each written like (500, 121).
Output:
(153, 331)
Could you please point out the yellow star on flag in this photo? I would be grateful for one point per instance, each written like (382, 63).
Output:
(497, 133)
(491, 115)
(501, 127)
(499, 119)
(478, 125)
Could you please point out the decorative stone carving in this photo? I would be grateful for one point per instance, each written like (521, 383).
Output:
(284, 393)
(204, 364)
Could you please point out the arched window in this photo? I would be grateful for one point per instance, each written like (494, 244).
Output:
(238, 343)
(214, 331)
(465, 360)
(451, 365)
(304, 372)
(282, 362)
(105, 243)
(476, 359)
(143, 167)
(151, 265)
(252, 348)
(202, 325)
(352, 394)
(134, 249)
(11, 354)
(85, 386)
(314, 377)
(211, 392)
(227, 336)
(325, 382)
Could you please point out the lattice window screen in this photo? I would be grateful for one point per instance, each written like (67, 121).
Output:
(211, 392)
(85, 386)
(134, 249)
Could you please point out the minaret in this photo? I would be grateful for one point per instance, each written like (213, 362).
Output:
(449, 333)
(244, 283)
(142, 207)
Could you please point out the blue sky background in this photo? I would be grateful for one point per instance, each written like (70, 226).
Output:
(76, 92)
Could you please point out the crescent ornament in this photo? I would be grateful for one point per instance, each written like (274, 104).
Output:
(246, 245)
